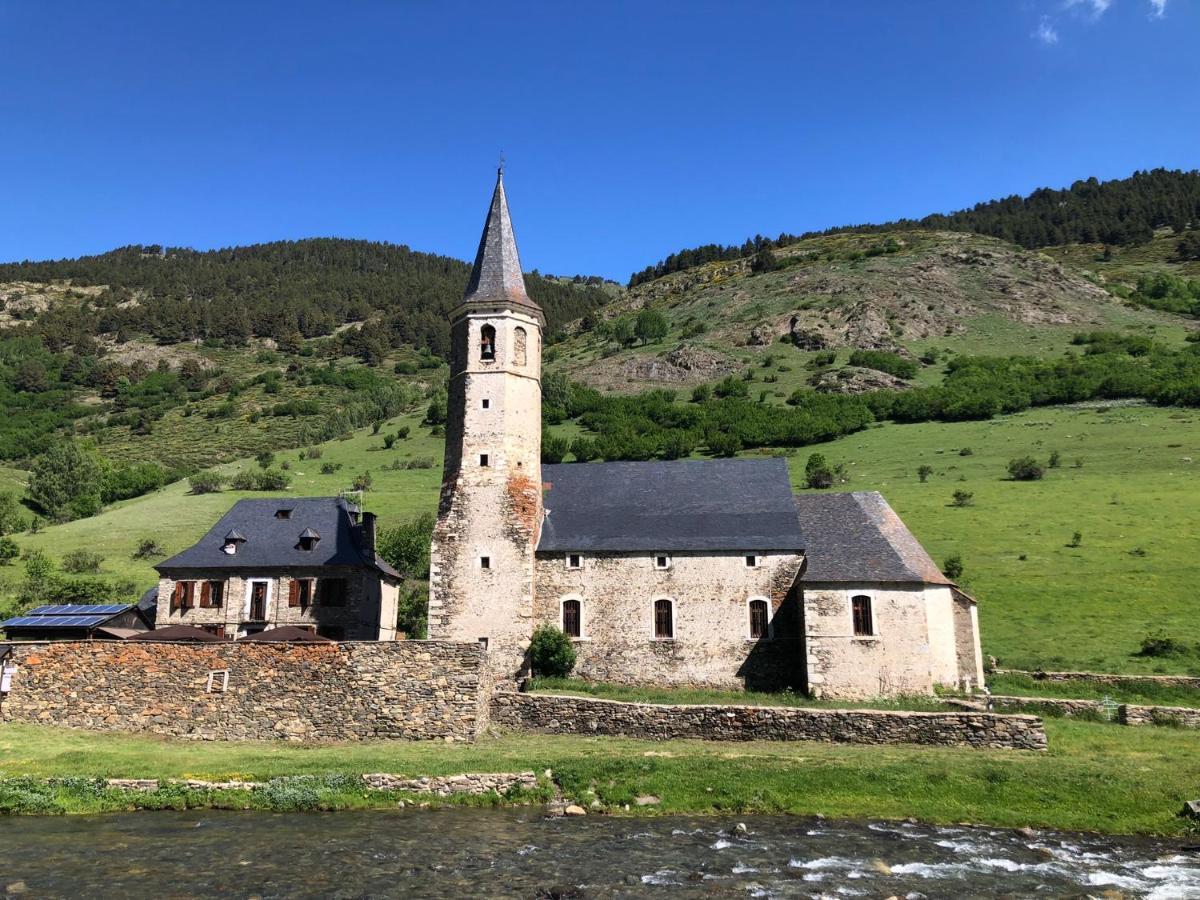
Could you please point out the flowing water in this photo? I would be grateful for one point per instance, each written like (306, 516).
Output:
(520, 853)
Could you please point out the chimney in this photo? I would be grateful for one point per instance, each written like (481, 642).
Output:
(368, 535)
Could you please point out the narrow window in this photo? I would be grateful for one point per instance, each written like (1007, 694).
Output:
(332, 592)
(571, 618)
(662, 562)
(863, 621)
(304, 592)
(574, 561)
(483, 460)
(485, 403)
(283, 513)
(758, 619)
(487, 343)
(216, 596)
(187, 597)
(519, 346)
(664, 619)
(485, 562)
(751, 561)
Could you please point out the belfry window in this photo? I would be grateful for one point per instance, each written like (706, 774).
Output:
(487, 343)
(860, 608)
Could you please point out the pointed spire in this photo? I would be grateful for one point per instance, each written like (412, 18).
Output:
(497, 276)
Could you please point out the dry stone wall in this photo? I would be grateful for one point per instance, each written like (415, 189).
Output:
(1178, 716)
(347, 691)
(583, 715)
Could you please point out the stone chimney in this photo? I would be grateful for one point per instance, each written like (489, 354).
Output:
(368, 535)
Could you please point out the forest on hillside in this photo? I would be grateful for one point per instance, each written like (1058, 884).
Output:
(1119, 212)
(285, 290)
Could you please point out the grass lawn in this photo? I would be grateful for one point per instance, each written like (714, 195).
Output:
(1095, 777)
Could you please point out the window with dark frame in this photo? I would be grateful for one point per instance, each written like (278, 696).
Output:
(574, 561)
(485, 562)
(759, 627)
(860, 608)
(572, 619)
(485, 403)
(483, 460)
(751, 561)
(662, 562)
(664, 619)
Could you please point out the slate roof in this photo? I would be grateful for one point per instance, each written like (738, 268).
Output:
(688, 505)
(272, 543)
(496, 276)
(856, 536)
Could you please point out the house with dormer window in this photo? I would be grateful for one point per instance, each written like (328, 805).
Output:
(306, 561)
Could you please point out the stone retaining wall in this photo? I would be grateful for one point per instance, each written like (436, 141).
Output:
(586, 715)
(438, 785)
(1179, 716)
(1063, 706)
(1191, 681)
(347, 691)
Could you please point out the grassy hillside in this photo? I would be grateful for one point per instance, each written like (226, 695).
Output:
(1125, 483)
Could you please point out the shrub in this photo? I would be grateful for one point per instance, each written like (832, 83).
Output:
(313, 453)
(389, 441)
(82, 562)
(420, 462)
(1160, 644)
(329, 468)
(148, 548)
(362, 481)
(817, 472)
(207, 483)
(701, 393)
(403, 432)
(1076, 539)
(723, 443)
(11, 518)
(273, 480)
(551, 653)
(583, 449)
(651, 325)
(962, 498)
(822, 359)
(924, 471)
(952, 568)
(966, 451)
(8, 550)
(1025, 468)
(406, 546)
(1055, 459)
(265, 459)
(882, 361)
(554, 448)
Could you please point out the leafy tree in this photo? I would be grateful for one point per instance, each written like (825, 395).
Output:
(551, 653)
(412, 612)
(764, 261)
(584, 449)
(622, 331)
(952, 568)
(406, 546)
(12, 519)
(66, 482)
(8, 550)
(651, 325)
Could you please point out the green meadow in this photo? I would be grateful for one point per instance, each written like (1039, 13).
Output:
(1124, 482)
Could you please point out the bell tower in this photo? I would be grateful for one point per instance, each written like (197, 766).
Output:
(490, 512)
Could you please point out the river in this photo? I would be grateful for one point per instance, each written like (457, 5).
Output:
(520, 853)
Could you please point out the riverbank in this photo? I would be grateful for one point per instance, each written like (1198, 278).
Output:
(1095, 776)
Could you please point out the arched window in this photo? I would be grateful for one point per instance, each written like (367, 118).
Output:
(519, 346)
(759, 618)
(864, 621)
(664, 619)
(572, 618)
(487, 343)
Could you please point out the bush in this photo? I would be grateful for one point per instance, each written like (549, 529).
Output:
(924, 471)
(1025, 468)
(12, 520)
(403, 432)
(243, 481)
(583, 449)
(265, 459)
(82, 562)
(962, 498)
(329, 468)
(406, 546)
(1160, 644)
(1055, 459)
(554, 448)
(551, 653)
(313, 453)
(651, 325)
(389, 441)
(207, 483)
(148, 548)
(362, 481)
(882, 361)
(952, 568)
(8, 550)
(273, 480)
(817, 472)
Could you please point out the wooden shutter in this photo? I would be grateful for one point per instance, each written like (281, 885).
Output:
(205, 595)
(177, 597)
(187, 595)
(294, 593)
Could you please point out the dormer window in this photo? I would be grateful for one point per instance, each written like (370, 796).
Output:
(487, 343)
(309, 539)
(283, 513)
(232, 540)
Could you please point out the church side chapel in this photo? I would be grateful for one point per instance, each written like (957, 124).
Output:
(691, 572)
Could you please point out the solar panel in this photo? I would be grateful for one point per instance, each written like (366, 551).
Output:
(54, 621)
(79, 609)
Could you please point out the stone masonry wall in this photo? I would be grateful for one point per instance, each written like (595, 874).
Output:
(347, 691)
(1179, 716)
(582, 715)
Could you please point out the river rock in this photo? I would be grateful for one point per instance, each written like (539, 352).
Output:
(1191, 809)
(647, 800)
(574, 810)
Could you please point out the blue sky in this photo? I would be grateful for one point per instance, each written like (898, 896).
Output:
(630, 129)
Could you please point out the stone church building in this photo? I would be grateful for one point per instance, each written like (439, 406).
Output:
(692, 572)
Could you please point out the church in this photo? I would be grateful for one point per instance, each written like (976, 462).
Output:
(692, 572)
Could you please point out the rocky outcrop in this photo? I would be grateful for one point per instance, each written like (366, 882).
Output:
(584, 715)
(856, 380)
